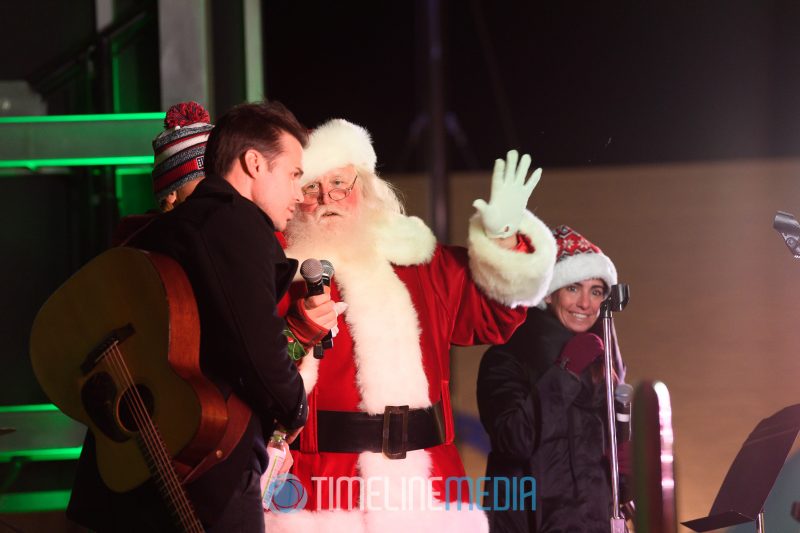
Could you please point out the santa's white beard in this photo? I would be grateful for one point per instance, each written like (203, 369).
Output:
(330, 233)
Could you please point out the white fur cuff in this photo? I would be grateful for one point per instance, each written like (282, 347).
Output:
(508, 276)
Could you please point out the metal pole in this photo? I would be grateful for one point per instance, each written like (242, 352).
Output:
(760, 522)
(185, 53)
(617, 522)
(436, 108)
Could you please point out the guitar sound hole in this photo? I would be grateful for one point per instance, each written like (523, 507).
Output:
(131, 405)
(97, 397)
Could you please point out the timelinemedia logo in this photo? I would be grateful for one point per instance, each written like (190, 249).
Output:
(288, 494)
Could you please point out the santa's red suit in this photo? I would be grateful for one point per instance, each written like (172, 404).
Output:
(408, 300)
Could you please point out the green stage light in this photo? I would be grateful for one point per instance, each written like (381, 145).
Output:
(78, 140)
(34, 164)
(28, 408)
(159, 116)
(42, 454)
(33, 502)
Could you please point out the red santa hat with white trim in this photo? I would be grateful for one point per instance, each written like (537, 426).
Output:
(335, 144)
(578, 259)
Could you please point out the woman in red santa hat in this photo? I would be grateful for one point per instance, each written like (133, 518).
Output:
(541, 398)
(377, 451)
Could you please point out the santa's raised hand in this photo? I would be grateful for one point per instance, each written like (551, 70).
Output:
(509, 195)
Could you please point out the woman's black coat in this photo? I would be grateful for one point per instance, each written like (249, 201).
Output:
(545, 422)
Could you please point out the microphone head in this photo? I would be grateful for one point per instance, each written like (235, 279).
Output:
(327, 268)
(623, 393)
(311, 270)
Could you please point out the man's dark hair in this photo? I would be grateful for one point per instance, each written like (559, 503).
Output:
(251, 125)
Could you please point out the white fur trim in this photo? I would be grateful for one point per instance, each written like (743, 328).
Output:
(388, 359)
(429, 521)
(423, 511)
(405, 240)
(398, 500)
(381, 317)
(416, 465)
(385, 329)
(315, 522)
(508, 276)
(335, 144)
(581, 267)
(440, 520)
(399, 239)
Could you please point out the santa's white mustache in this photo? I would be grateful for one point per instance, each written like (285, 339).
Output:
(326, 210)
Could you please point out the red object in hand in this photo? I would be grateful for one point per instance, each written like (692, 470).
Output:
(580, 352)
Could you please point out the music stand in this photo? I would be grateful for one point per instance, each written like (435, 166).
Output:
(753, 473)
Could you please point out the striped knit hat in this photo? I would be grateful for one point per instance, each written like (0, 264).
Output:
(180, 148)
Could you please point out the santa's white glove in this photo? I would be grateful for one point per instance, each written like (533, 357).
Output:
(339, 308)
(509, 195)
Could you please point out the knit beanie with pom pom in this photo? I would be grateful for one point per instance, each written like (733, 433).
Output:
(180, 148)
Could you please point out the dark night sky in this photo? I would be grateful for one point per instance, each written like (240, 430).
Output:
(574, 83)
(581, 83)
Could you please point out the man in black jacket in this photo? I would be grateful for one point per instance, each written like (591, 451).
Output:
(223, 236)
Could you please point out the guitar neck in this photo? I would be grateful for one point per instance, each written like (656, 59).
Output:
(169, 486)
(117, 347)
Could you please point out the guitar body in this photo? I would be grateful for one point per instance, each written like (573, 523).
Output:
(142, 305)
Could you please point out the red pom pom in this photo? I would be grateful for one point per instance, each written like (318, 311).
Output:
(186, 113)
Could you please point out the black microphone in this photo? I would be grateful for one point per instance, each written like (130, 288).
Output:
(327, 271)
(327, 274)
(312, 272)
(623, 395)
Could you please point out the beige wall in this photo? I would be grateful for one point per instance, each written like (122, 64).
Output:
(714, 293)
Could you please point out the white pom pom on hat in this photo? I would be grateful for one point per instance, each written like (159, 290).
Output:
(335, 144)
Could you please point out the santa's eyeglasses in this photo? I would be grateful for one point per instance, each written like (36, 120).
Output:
(312, 190)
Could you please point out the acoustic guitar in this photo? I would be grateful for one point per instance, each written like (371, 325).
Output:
(116, 347)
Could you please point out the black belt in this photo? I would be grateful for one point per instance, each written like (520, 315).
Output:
(393, 433)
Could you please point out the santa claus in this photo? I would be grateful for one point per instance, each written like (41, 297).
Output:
(377, 453)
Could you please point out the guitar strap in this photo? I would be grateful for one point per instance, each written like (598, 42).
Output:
(239, 414)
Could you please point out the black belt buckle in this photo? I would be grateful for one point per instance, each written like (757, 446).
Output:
(388, 411)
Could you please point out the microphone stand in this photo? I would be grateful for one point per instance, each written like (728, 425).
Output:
(616, 301)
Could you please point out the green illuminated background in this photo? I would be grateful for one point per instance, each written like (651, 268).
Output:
(65, 179)
(67, 175)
